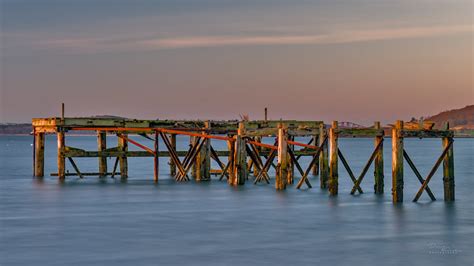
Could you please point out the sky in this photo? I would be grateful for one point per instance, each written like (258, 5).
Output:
(359, 61)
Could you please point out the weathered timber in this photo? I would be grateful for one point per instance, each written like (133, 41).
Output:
(61, 158)
(39, 154)
(427, 133)
(433, 170)
(289, 163)
(333, 182)
(240, 157)
(171, 162)
(378, 163)
(417, 174)
(123, 161)
(359, 132)
(203, 158)
(102, 146)
(282, 166)
(397, 162)
(323, 158)
(448, 169)
(156, 158)
(315, 142)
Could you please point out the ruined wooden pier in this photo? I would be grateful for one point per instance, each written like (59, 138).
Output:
(247, 155)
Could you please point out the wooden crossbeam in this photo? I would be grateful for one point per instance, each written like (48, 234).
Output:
(349, 170)
(267, 164)
(366, 168)
(313, 161)
(215, 157)
(256, 162)
(298, 166)
(173, 154)
(417, 174)
(136, 144)
(114, 170)
(194, 151)
(433, 171)
(75, 167)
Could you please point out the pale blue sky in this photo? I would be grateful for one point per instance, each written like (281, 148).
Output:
(344, 60)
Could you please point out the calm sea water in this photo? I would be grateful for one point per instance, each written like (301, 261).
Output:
(108, 222)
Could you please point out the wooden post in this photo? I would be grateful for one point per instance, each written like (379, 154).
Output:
(315, 168)
(240, 158)
(123, 146)
(171, 162)
(39, 154)
(323, 158)
(195, 166)
(378, 163)
(156, 159)
(61, 158)
(333, 182)
(266, 117)
(397, 162)
(232, 178)
(290, 165)
(282, 166)
(102, 146)
(204, 158)
(448, 169)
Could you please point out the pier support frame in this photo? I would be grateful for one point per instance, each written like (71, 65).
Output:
(315, 142)
(203, 159)
(333, 182)
(397, 162)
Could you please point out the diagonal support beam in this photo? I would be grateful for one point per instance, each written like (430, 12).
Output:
(417, 174)
(366, 168)
(313, 161)
(432, 172)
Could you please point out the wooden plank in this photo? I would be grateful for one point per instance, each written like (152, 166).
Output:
(427, 133)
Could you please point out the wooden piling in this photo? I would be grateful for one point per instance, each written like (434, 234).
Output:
(290, 164)
(448, 169)
(333, 182)
(61, 158)
(156, 159)
(240, 157)
(195, 166)
(282, 166)
(171, 162)
(315, 142)
(378, 163)
(323, 158)
(102, 146)
(123, 161)
(397, 162)
(204, 158)
(39, 154)
(230, 169)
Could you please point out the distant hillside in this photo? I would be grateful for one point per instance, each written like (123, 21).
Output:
(14, 129)
(458, 118)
